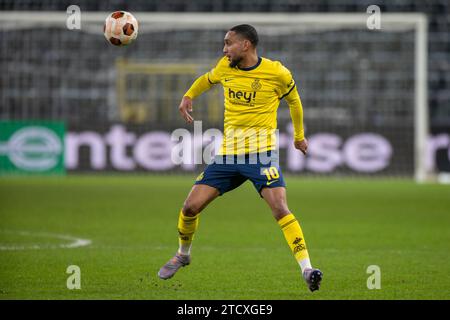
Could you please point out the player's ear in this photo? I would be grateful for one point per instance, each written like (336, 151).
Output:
(246, 45)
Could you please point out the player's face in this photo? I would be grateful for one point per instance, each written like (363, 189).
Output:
(234, 48)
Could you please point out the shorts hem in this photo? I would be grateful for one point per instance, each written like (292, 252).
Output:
(211, 185)
(271, 186)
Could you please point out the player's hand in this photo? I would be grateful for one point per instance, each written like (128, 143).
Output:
(301, 145)
(185, 108)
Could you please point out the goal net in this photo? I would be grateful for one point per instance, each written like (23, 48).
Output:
(364, 92)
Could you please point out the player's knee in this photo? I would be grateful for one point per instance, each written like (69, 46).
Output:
(190, 209)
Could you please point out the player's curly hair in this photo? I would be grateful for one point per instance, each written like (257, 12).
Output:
(248, 32)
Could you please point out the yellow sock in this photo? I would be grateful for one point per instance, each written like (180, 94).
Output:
(295, 239)
(186, 229)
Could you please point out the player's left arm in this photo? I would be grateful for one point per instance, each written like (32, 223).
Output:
(290, 94)
(296, 110)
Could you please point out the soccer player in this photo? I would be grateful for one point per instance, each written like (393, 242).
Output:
(253, 87)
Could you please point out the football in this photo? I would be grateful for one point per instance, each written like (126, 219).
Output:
(121, 28)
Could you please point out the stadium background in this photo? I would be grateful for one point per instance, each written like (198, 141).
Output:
(351, 81)
(91, 94)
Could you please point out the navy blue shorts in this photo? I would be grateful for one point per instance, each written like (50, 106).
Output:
(229, 172)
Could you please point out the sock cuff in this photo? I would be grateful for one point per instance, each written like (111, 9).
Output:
(187, 218)
(287, 220)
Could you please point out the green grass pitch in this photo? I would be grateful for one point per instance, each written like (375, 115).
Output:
(239, 251)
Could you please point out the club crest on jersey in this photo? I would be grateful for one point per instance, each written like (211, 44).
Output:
(256, 85)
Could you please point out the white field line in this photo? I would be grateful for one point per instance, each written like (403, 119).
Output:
(75, 242)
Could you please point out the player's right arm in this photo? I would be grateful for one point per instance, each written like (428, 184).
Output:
(200, 85)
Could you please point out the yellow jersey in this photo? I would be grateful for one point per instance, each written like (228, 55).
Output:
(251, 99)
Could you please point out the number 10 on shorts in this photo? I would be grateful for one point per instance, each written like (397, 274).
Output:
(271, 173)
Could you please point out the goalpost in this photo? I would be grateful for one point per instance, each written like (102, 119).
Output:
(351, 79)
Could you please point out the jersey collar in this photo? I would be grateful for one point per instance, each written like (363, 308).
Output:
(253, 67)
